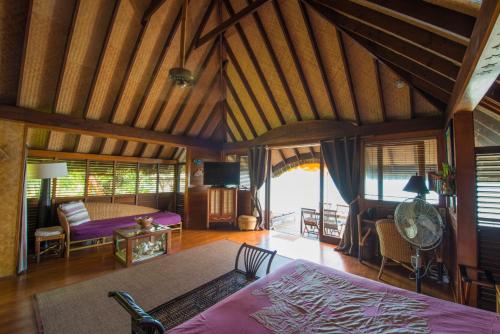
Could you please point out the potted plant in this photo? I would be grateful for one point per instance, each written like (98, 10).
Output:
(447, 177)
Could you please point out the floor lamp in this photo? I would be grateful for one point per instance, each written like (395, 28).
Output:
(46, 172)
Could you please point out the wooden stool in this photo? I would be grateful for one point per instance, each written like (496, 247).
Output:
(46, 234)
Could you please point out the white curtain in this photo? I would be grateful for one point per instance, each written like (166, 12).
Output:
(22, 259)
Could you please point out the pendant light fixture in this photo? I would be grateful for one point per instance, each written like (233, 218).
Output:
(181, 76)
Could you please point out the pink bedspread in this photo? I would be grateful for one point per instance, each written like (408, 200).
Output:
(303, 297)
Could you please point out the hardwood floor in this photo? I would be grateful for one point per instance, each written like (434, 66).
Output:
(16, 312)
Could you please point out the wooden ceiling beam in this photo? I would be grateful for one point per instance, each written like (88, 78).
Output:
(408, 32)
(210, 116)
(380, 91)
(440, 21)
(69, 39)
(319, 60)
(276, 64)
(295, 58)
(151, 10)
(245, 82)
(230, 22)
(69, 124)
(347, 73)
(408, 64)
(236, 98)
(481, 65)
(256, 65)
(311, 132)
(421, 55)
(230, 113)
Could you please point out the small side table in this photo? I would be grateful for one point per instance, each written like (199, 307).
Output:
(48, 234)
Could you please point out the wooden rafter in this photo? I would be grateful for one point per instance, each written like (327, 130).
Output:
(347, 73)
(69, 124)
(380, 91)
(425, 39)
(245, 82)
(230, 22)
(256, 65)
(481, 65)
(312, 132)
(151, 10)
(295, 58)
(67, 48)
(210, 116)
(276, 64)
(230, 113)
(319, 60)
(421, 55)
(243, 111)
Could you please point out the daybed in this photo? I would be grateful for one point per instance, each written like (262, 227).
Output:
(105, 218)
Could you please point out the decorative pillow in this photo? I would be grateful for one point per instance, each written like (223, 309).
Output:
(76, 213)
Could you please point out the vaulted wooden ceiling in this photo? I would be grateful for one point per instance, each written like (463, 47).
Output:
(272, 63)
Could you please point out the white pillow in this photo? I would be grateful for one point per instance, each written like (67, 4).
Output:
(76, 213)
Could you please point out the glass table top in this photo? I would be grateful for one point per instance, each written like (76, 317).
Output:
(138, 230)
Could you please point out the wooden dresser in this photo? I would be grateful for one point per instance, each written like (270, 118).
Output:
(222, 206)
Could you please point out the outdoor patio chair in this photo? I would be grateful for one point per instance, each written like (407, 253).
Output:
(309, 221)
(330, 223)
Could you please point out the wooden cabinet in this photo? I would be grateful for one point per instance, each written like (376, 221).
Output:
(222, 206)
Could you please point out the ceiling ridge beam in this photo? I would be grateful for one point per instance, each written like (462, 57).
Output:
(245, 82)
(406, 31)
(347, 73)
(276, 64)
(70, 124)
(295, 58)
(60, 78)
(239, 104)
(230, 22)
(255, 62)
(319, 60)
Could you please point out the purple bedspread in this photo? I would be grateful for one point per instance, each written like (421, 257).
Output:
(105, 227)
(303, 297)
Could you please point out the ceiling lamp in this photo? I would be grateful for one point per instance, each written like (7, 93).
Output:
(181, 76)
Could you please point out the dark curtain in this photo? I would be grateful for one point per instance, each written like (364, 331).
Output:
(342, 158)
(257, 167)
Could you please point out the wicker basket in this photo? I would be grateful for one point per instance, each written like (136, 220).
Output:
(247, 223)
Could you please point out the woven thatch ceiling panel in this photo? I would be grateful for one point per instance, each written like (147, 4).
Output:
(396, 94)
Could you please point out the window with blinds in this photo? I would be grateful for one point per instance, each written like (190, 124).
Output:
(125, 178)
(181, 184)
(389, 166)
(33, 185)
(244, 173)
(148, 178)
(166, 178)
(100, 178)
(488, 189)
(72, 185)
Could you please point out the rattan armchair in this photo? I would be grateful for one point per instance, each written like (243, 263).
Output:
(392, 246)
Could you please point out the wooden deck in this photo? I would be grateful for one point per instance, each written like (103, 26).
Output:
(16, 312)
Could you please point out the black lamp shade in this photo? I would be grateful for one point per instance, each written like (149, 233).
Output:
(416, 184)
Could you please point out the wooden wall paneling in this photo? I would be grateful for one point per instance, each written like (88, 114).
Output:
(14, 16)
(256, 65)
(363, 73)
(295, 58)
(46, 34)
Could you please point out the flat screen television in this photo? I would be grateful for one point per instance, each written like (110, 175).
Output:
(221, 174)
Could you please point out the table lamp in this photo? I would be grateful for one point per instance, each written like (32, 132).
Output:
(46, 172)
(416, 184)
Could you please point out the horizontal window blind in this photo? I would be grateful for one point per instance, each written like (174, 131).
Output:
(488, 189)
(33, 185)
(148, 178)
(166, 178)
(125, 178)
(100, 178)
(181, 178)
(72, 185)
(244, 173)
(389, 166)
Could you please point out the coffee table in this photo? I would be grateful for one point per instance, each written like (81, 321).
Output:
(135, 244)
